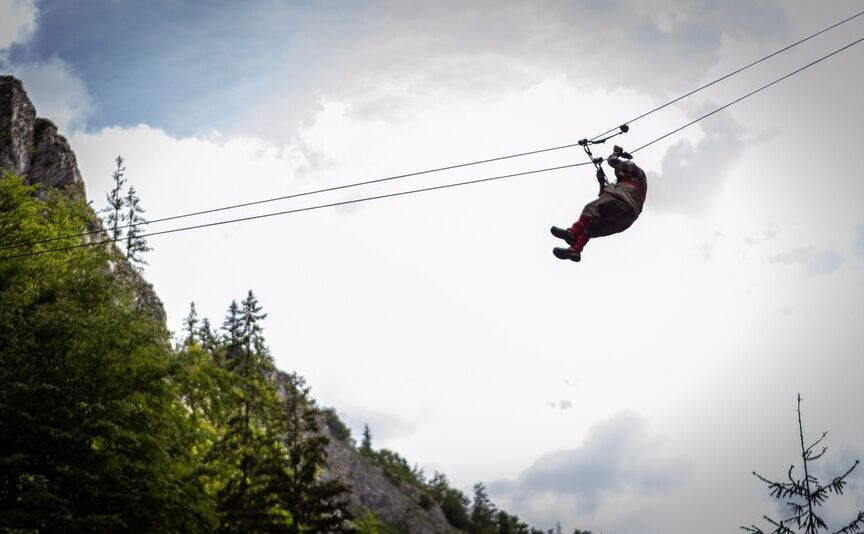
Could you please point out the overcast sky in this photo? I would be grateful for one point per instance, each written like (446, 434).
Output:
(633, 392)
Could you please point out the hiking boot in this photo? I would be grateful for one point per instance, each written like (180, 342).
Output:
(566, 254)
(563, 233)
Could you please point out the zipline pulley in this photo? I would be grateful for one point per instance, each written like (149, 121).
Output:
(598, 162)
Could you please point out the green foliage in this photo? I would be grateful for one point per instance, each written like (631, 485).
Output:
(337, 428)
(136, 243)
(477, 517)
(509, 524)
(247, 453)
(453, 502)
(367, 523)
(482, 511)
(190, 325)
(366, 443)
(316, 503)
(115, 217)
(103, 427)
(124, 212)
(266, 451)
(396, 468)
(370, 523)
(92, 433)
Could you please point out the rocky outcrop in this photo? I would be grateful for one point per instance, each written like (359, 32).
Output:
(398, 504)
(32, 148)
(52, 162)
(17, 122)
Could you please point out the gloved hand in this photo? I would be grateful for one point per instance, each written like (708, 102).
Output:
(618, 152)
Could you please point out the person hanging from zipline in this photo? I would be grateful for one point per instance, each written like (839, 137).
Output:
(616, 208)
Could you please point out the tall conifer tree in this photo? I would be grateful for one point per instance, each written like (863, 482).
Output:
(482, 511)
(116, 202)
(316, 504)
(232, 336)
(249, 501)
(366, 442)
(136, 243)
(209, 341)
(190, 326)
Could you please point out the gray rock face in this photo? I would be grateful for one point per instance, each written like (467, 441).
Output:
(53, 163)
(32, 148)
(393, 502)
(17, 121)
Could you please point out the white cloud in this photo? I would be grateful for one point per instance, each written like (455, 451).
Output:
(56, 90)
(17, 22)
(693, 175)
(383, 427)
(409, 55)
(617, 457)
(812, 261)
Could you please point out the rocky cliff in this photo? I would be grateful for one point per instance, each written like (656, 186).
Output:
(32, 148)
(395, 503)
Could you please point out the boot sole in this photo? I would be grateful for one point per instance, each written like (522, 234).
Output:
(561, 233)
(566, 254)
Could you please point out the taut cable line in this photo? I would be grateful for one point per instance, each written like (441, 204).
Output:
(736, 71)
(297, 210)
(448, 167)
(751, 93)
(444, 186)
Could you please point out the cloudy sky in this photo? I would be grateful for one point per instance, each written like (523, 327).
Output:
(633, 392)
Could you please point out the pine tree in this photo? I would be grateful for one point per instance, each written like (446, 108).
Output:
(209, 341)
(136, 243)
(453, 502)
(315, 504)
(190, 326)
(116, 202)
(482, 511)
(366, 443)
(256, 356)
(805, 495)
(509, 524)
(249, 500)
(232, 337)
